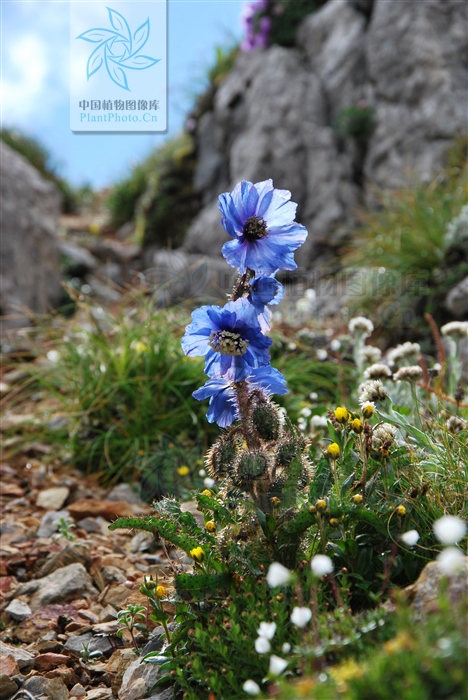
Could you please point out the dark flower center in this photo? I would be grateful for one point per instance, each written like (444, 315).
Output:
(254, 229)
(228, 343)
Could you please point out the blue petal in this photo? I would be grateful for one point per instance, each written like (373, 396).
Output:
(280, 212)
(266, 290)
(222, 408)
(269, 379)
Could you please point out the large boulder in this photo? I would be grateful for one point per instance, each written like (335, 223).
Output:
(274, 115)
(29, 268)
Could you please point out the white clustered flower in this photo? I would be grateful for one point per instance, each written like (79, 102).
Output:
(306, 412)
(410, 538)
(370, 354)
(403, 352)
(321, 354)
(408, 374)
(335, 345)
(277, 665)
(450, 529)
(313, 396)
(455, 424)
(457, 329)
(202, 473)
(377, 371)
(321, 565)
(286, 648)
(251, 688)
(53, 356)
(277, 575)
(319, 421)
(292, 346)
(302, 423)
(301, 616)
(361, 324)
(451, 560)
(267, 630)
(262, 645)
(209, 482)
(383, 434)
(372, 391)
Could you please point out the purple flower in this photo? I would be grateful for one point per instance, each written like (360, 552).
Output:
(223, 408)
(230, 337)
(260, 219)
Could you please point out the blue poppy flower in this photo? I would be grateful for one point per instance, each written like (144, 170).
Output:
(230, 337)
(265, 290)
(223, 408)
(260, 219)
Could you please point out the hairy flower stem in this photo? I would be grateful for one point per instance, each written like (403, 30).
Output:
(241, 286)
(362, 445)
(242, 391)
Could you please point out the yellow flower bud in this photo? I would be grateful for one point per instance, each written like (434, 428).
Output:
(357, 426)
(341, 414)
(206, 492)
(333, 450)
(357, 499)
(321, 504)
(401, 510)
(334, 521)
(160, 591)
(197, 553)
(139, 347)
(275, 501)
(210, 526)
(367, 410)
(183, 471)
(312, 509)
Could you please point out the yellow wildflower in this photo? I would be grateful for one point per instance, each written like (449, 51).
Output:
(401, 510)
(197, 553)
(357, 499)
(345, 672)
(334, 521)
(367, 410)
(341, 414)
(402, 642)
(160, 591)
(321, 504)
(183, 471)
(139, 347)
(333, 450)
(210, 526)
(275, 501)
(206, 492)
(357, 426)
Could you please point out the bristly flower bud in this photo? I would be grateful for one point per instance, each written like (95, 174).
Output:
(222, 456)
(266, 421)
(250, 466)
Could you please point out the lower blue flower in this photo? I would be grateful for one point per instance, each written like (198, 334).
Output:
(223, 408)
(230, 337)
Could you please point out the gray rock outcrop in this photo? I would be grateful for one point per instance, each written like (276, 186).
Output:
(274, 115)
(30, 208)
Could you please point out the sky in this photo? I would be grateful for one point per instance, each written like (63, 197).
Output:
(35, 81)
